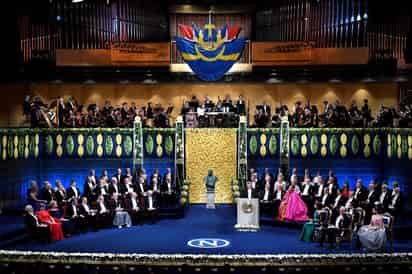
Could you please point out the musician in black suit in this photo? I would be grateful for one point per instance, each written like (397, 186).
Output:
(73, 192)
(47, 192)
(240, 106)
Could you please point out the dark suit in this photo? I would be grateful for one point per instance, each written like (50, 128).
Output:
(308, 197)
(333, 231)
(151, 214)
(73, 214)
(60, 197)
(266, 205)
(36, 231)
(385, 199)
(168, 198)
(328, 201)
(254, 194)
(89, 218)
(395, 206)
(114, 189)
(71, 194)
(47, 194)
(361, 195)
(89, 192)
(136, 215)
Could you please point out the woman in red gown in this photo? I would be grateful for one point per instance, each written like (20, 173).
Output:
(55, 226)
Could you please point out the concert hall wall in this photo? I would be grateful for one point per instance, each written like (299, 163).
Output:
(175, 93)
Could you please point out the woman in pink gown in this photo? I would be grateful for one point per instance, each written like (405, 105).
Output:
(292, 208)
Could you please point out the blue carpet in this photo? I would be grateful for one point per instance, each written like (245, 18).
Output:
(171, 236)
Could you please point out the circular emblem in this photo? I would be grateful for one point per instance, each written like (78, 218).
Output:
(247, 207)
(208, 243)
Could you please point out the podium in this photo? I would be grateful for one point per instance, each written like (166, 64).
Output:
(247, 214)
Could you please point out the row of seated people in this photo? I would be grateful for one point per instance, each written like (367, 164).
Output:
(162, 187)
(271, 192)
(334, 114)
(102, 204)
(348, 224)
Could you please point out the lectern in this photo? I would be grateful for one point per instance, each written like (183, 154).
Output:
(247, 214)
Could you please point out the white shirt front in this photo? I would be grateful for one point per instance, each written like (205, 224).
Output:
(370, 194)
(338, 220)
(76, 194)
(249, 194)
(150, 202)
(382, 197)
(169, 187)
(74, 211)
(141, 187)
(306, 190)
(134, 204)
(86, 208)
(324, 199)
(320, 191)
(337, 199)
(266, 196)
(103, 191)
(348, 202)
(279, 195)
(102, 208)
(394, 198)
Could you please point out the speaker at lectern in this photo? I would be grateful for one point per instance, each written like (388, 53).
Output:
(247, 214)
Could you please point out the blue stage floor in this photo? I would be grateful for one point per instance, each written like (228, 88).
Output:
(171, 236)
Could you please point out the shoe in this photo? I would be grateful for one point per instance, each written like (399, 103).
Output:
(119, 226)
(128, 225)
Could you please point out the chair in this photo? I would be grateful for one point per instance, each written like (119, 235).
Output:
(358, 218)
(345, 233)
(388, 221)
(324, 221)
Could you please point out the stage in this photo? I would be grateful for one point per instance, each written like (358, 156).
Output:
(171, 236)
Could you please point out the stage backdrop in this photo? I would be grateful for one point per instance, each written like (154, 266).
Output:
(211, 149)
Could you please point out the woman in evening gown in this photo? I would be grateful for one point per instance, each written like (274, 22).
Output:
(373, 236)
(54, 224)
(292, 208)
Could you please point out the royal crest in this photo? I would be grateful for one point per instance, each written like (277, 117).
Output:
(210, 52)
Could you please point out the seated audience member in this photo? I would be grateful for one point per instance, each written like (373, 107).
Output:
(373, 236)
(308, 194)
(54, 211)
(266, 199)
(114, 187)
(345, 190)
(141, 186)
(73, 192)
(280, 182)
(338, 202)
(277, 197)
(309, 227)
(37, 229)
(351, 203)
(103, 189)
(151, 207)
(319, 188)
(331, 232)
(168, 191)
(250, 192)
(32, 195)
(73, 214)
(89, 214)
(332, 186)
(60, 194)
(385, 196)
(292, 208)
(121, 217)
(47, 192)
(133, 207)
(395, 205)
(104, 218)
(156, 173)
(90, 186)
(118, 175)
(360, 194)
(155, 187)
(128, 186)
(295, 183)
(327, 199)
(105, 176)
(55, 226)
